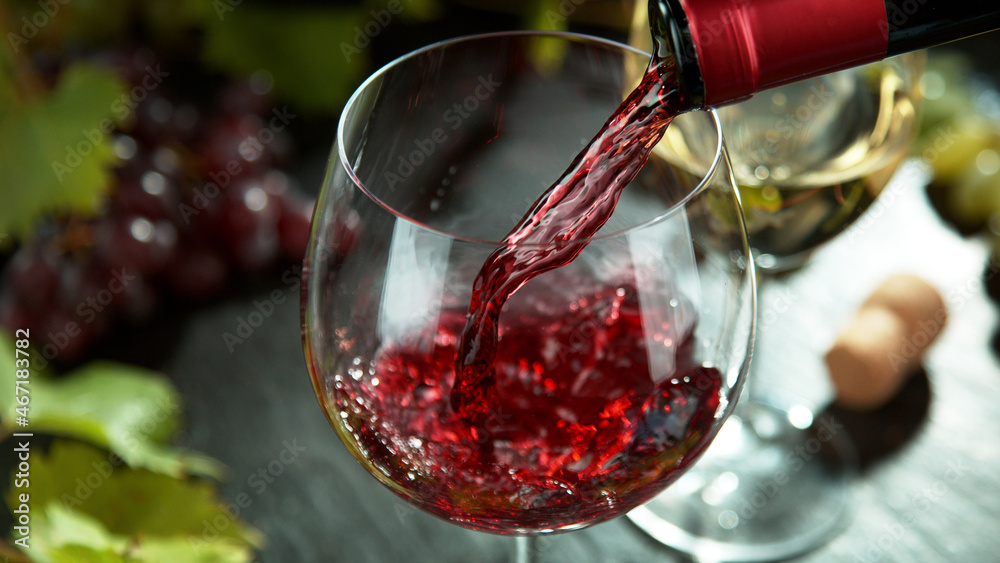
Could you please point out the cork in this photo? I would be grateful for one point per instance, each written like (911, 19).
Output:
(877, 351)
(914, 300)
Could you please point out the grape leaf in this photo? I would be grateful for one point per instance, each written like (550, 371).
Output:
(59, 525)
(130, 502)
(546, 14)
(312, 53)
(72, 553)
(129, 410)
(59, 530)
(54, 24)
(170, 550)
(62, 535)
(173, 22)
(413, 10)
(96, 21)
(8, 398)
(56, 149)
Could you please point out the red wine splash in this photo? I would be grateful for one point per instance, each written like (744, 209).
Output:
(587, 426)
(574, 208)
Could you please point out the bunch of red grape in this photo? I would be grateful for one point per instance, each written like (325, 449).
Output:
(199, 198)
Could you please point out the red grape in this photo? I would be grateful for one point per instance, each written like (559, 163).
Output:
(198, 273)
(33, 277)
(137, 244)
(294, 226)
(196, 198)
(250, 226)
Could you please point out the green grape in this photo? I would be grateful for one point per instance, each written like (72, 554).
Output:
(952, 148)
(974, 197)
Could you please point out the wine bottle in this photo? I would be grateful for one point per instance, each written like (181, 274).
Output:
(727, 50)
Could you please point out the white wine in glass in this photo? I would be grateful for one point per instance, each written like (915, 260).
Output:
(809, 158)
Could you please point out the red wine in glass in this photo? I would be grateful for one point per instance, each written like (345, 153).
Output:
(594, 396)
(582, 429)
(526, 441)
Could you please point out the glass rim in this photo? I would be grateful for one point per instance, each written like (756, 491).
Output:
(717, 158)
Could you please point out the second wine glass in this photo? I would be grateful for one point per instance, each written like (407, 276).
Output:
(809, 159)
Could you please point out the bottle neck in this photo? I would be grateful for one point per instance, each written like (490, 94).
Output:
(672, 38)
(919, 24)
(727, 50)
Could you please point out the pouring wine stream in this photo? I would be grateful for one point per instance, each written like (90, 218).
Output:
(574, 208)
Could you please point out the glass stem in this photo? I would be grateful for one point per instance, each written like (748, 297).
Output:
(525, 550)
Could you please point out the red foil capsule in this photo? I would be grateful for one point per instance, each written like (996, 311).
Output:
(744, 46)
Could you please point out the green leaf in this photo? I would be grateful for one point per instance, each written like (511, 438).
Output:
(129, 410)
(546, 15)
(171, 550)
(412, 10)
(127, 506)
(171, 22)
(95, 21)
(75, 554)
(311, 52)
(56, 150)
(64, 534)
(61, 535)
(8, 400)
(55, 24)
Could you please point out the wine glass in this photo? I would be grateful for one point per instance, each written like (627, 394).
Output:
(612, 374)
(809, 159)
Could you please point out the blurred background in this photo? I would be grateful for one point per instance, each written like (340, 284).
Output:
(158, 164)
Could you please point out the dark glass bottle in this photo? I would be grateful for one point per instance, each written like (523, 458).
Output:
(727, 50)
